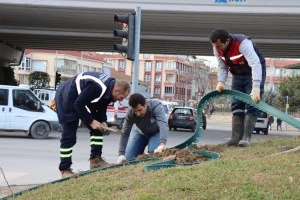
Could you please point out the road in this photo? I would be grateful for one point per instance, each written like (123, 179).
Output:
(28, 161)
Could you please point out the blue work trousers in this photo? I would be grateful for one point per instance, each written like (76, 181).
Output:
(138, 142)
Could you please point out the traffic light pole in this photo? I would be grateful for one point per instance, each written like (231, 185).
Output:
(135, 75)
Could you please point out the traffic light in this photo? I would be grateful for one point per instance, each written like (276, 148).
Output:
(57, 79)
(127, 33)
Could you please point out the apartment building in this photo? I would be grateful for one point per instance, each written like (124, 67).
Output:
(170, 77)
(67, 63)
(278, 68)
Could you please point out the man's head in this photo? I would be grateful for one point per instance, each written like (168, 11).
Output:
(220, 39)
(120, 90)
(138, 104)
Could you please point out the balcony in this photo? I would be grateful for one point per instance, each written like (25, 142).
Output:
(170, 70)
(157, 83)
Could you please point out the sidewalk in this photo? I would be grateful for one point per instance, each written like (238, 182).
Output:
(5, 191)
(226, 119)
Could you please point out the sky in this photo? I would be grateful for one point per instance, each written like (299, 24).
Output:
(211, 60)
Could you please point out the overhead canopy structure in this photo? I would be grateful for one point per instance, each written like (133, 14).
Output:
(167, 27)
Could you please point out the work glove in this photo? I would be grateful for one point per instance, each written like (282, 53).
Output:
(220, 86)
(159, 149)
(255, 94)
(121, 159)
(52, 105)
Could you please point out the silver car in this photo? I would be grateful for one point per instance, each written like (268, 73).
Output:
(262, 123)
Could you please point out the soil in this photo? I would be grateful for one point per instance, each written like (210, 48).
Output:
(183, 155)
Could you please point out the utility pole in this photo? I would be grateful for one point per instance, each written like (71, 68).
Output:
(135, 75)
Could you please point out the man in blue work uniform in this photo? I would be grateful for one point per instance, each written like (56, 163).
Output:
(239, 55)
(86, 97)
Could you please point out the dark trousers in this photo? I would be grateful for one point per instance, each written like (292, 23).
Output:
(244, 84)
(68, 140)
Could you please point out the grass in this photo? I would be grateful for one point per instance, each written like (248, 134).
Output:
(241, 173)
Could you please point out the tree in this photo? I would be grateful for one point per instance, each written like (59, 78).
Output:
(7, 76)
(271, 97)
(39, 80)
(290, 86)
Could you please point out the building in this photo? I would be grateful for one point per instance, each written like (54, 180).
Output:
(277, 69)
(170, 77)
(67, 63)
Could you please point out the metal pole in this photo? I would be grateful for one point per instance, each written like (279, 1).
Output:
(135, 74)
(286, 108)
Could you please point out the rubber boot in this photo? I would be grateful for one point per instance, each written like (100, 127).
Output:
(237, 130)
(248, 130)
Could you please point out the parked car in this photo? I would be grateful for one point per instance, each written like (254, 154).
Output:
(262, 123)
(184, 117)
(21, 110)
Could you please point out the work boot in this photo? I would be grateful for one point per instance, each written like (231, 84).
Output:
(67, 173)
(248, 130)
(97, 161)
(237, 130)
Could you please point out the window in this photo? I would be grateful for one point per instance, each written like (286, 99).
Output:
(111, 61)
(3, 97)
(168, 90)
(147, 78)
(170, 78)
(148, 66)
(85, 68)
(171, 65)
(278, 72)
(39, 65)
(67, 66)
(156, 90)
(26, 100)
(158, 66)
(26, 64)
(158, 78)
(183, 111)
(122, 66)
(93, 69)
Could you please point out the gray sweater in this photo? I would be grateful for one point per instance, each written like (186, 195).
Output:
(154, 121)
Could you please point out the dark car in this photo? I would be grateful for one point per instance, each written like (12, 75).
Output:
(184, 117)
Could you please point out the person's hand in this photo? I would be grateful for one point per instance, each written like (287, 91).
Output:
(160, 148)
(220, 86)
(121, 159)
(255, 94)
(97, 125)
(105, 132)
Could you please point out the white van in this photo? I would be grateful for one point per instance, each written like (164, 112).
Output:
(45, 95)
(21, 110)
(116, 113)
(169, 106)
(262, 123)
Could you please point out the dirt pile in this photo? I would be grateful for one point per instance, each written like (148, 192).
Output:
(183, 155)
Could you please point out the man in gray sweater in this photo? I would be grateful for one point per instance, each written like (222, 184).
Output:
(146, 124)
